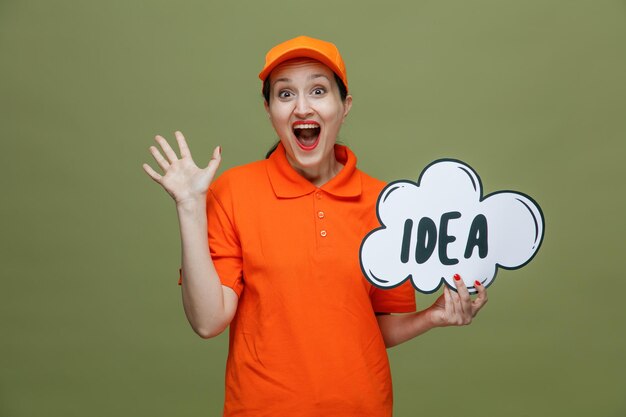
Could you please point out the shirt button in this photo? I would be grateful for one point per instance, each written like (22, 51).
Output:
(318, 195)
(323, 233)
(320, 214)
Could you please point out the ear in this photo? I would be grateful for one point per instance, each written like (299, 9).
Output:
(347, 105)
(267, 108)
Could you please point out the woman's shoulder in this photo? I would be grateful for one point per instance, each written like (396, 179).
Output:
(240, 172)
(240, 178)
(370, 184)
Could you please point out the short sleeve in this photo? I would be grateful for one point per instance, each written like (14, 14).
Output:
(400, 299)
(223, 244)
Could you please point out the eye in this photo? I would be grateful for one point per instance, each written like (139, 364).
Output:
(284, 94)
(318, 91)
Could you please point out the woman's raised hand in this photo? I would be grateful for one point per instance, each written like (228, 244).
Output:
(457, 308)
(182, 178)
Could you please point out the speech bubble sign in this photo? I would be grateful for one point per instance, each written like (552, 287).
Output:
(441, 225)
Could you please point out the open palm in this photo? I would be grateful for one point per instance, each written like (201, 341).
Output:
(182, 179)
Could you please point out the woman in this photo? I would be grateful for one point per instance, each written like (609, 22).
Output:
(280, 263)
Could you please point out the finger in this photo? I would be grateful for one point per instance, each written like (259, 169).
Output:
(216, 158)
(182, 145)
(459, 317)
(152, 173)
(456, 298)
(481, 299)
(449, 303)
(169, 152)
(159, 158)
(464, 296)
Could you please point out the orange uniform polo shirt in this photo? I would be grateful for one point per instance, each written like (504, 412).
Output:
(304, 340)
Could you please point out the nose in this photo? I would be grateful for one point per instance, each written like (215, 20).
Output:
(303, 107)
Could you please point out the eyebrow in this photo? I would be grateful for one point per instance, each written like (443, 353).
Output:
(311, 77)
(314, 76)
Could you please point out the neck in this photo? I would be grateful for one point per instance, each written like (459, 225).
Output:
(321, 174)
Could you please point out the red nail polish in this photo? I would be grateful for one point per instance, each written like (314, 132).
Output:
(477, 283)
(457, 277)
(219, 150)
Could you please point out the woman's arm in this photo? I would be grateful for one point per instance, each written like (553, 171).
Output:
(450, 309)
(209, 306)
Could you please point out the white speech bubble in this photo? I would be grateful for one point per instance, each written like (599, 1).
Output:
(441, 226)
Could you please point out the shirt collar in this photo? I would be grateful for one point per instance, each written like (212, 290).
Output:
(288, 183)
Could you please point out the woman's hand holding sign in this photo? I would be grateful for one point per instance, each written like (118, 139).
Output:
(450, 309)
(440, 225)
(457, 308)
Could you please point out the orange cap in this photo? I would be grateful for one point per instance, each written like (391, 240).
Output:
(305, 47)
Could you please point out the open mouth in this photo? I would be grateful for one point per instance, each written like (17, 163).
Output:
(307, 134)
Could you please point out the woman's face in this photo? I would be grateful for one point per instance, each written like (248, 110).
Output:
(306, 111)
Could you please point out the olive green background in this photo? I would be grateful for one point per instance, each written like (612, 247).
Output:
(532, 94)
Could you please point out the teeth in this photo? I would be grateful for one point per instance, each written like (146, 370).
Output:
(306, 126)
